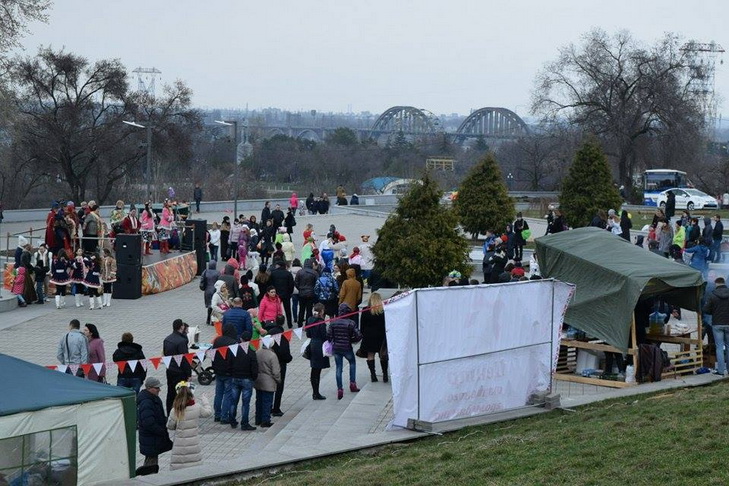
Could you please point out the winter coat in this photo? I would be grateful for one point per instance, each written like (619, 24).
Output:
(699, 256)
(373, 331)
(665, 240)
(317, 334)
(59, 272)
(73, 348)
(707, 231)
(175, 344)
(97, 354)
(343, 331)
(717, 305)
(282, 350)
(679, 237)
(294, 271)
(108, 269)
(209, 276)
(228, 276)
(351, 292)
(218, 302)
(166, 219)
(306, 279)
(153, 436)
(186, 450)
(129, 352)
(288, 248)
(283, 281)
(19, 281)
(270, 308)
(222, 366)
(269, 371)
(240, 319)
(326, 287)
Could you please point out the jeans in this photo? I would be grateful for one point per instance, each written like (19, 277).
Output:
(721, 338)
(213, 252)
(716, 251)
(222, 385)
(339, 362)
(295, 305)
(237, 387)
(39, 291)
(264, 400)
(129, 382)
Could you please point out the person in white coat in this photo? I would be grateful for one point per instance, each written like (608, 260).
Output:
(185, 421)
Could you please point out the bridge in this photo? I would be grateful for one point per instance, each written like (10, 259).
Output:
(491, 123)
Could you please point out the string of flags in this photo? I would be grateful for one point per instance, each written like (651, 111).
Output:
(267, 341)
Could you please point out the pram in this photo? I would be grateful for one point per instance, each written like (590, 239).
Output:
(205, 376)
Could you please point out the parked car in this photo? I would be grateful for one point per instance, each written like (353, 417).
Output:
(687, 198)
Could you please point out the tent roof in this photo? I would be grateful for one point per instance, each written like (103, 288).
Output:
(31, 387)
(611, 275)
(378, 183)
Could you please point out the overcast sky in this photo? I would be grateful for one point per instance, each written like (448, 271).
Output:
(337, 55)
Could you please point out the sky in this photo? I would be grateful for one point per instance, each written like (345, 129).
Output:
(344, 56)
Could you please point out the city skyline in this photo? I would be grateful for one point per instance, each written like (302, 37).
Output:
(342, 58)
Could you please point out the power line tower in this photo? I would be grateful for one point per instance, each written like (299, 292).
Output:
(702, 63)
(146, 78)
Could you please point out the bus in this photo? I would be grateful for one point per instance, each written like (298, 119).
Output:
(655, 181)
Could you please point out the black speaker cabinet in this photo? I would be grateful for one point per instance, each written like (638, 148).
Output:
(128, 283)
(128, 249)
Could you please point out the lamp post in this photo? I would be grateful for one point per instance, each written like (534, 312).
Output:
(148, 174)
(510, 181)
(243, 150)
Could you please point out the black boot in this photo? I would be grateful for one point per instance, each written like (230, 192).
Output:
(383, 362)
(210, 313)
(371, 366)
(315, 387)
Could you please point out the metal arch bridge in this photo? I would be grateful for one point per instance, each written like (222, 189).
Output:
(492, 123)
(406, 119)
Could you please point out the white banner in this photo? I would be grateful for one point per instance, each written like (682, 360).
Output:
(462, 351)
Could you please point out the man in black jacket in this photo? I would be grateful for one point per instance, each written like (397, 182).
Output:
(305, 281)
(717, 305)
(243, 373)
(283, 282)
(127, 350)
(153, 436)
(283, 353)
(221, 365)
(278, 217)
(175, 344)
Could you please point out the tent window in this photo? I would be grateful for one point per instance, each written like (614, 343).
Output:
(48, 457)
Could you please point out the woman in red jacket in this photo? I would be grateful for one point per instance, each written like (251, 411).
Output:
(271, 306)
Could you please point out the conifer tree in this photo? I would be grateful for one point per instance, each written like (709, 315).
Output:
(483, 201)
(420, 243)
(588, 186)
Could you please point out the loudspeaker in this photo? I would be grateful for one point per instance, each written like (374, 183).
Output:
(199, 231)
(128, 249)
(128, 283)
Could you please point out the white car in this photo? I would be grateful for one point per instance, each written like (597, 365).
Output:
(687, 198)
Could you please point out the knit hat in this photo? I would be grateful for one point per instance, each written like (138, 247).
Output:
(152, 382)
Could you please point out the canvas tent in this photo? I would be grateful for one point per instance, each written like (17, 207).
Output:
(611, 275)
(60, 429)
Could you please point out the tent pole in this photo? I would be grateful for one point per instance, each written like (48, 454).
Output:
(699, 329)
(635, 350)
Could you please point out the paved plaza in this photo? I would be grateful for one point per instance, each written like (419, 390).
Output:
(307, 429)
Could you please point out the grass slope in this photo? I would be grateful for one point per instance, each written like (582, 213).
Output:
(676, 437)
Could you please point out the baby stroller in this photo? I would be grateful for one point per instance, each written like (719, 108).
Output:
(205, 376)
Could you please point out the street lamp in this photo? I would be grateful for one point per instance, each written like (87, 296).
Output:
(148, 172)
(243, 150)
(510, 181)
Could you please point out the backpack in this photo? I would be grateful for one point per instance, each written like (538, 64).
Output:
(324, 288)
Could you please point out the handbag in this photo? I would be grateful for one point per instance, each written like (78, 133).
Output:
(526, 234)
(361, 353)
(307, 352)
(327, 348)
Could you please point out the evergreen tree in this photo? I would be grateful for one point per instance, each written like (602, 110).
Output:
(483, 201)
(588, 186)
(420, 243)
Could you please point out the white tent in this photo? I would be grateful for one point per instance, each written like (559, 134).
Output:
(56, 428)
(457, 352)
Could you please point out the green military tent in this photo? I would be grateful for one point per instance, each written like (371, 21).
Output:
(56, 428)
(611, 275)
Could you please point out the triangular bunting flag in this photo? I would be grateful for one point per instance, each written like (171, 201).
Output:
(267, 341)
(189, 357)
(132, 364)
(256, 343)
(51, 367)
(97, 367)
(155, 361)
(234, 349)
(277, 339)
(200, 355)
(299, 332)
(166, 360)
(223, 351)
(61, 368)
(210, 353)
(87, 368)
(144, 363)
(288, 334)
(245, 345)
(121, 365)
(178, 359)
(74, 368)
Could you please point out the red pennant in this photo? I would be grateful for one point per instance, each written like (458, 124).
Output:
(288, 334)
(86, 368)
(189, 357)
(223, 351)
(121, 365)
(256, 343)
(155, 361)
(52, 367)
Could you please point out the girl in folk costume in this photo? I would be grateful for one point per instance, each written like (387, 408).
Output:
(77, 269)
(130, 225)
(165, 228)
(108, 276)
(117, 216)
(93, 282)
(146, 225)
(60, 277)
(19, 285)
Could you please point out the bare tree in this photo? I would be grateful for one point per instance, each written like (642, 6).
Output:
(622, 92)
(15, 15)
